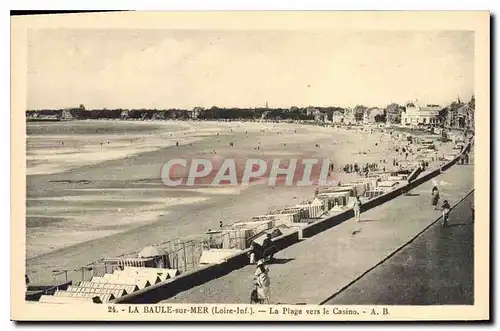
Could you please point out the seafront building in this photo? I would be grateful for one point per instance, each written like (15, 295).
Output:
(461, 118)
(416, 114)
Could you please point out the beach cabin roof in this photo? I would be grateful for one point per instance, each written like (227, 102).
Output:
(333, 194)
(317, 202)
(150, 251)
(99, 285)
(217, 256)
(388, 183)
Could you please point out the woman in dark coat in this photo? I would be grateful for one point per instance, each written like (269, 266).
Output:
(446, 212)
(435, 196)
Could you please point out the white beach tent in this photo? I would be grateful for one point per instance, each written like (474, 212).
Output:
(150, 251)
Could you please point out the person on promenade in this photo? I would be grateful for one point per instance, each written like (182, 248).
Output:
(255, 253)
(268, 247)
(357, 209)
(446, 213)
(435, 197)
(27, 281)
(263, 282)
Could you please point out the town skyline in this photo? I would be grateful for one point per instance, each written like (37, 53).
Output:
(270, 107)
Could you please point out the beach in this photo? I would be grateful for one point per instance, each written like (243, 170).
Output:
(94, 188)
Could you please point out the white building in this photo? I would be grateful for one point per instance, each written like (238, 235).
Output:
(415, 114)
(337, 117)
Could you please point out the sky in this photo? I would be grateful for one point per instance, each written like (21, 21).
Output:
(126, 68)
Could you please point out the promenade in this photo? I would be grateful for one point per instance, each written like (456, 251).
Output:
(316, 268)
(435, 269)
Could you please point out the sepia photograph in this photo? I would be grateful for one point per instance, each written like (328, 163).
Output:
(251, 166)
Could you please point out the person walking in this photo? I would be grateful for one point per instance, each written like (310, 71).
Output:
(255, 253)
(357, 209)
(26, 281)
(446, 213)
(268, 247)
(435, 197)
(263, 282)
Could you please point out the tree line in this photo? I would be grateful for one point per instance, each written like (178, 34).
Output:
(213, 113)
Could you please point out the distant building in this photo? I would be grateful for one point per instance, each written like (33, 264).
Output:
(44, 116)
(32, 115)
(194, 113)
(415, 114)
(337, 117)
(460, 118)
(72, 114)
(349, 116)
(369, 115)
(318, 116)
(470, 119)
(124, 114)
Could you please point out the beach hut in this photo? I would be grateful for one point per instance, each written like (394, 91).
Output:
(342, 188)
(131, 261)
(155, 253)
(140, 282)
(312, 210)
(237, 238)
(388, 184)
(96, 297)
(288, 215)
(330, 199)
(371, 194)
(127, 288)
(257, 224)
(161, 273)
(117, 292)
(357, 188)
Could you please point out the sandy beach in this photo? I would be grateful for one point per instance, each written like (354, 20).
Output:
(95, 191)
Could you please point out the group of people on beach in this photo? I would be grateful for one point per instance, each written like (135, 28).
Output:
(360, 169)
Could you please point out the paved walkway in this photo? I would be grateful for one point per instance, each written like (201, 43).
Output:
(435, 269)
(314, 269)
